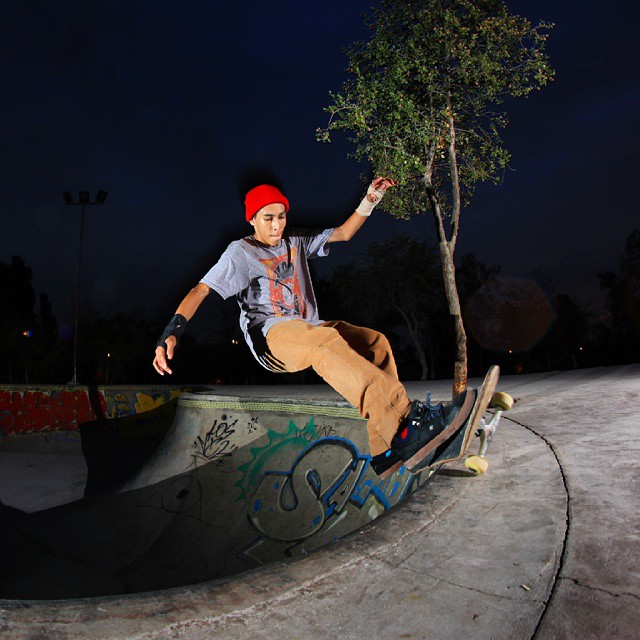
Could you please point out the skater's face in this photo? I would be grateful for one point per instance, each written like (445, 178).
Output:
(269, 224)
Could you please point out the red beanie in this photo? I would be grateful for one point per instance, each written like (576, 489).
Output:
(260, 197)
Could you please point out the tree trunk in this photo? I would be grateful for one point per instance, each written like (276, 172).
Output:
(460, 378)
(460, 375)
(447, 248)
(449, 275)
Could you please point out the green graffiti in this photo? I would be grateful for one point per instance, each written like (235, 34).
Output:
(283, 446)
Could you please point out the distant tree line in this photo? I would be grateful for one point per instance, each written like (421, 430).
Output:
(29, 346)
(622, 331)
(115, 350)
(395, 287)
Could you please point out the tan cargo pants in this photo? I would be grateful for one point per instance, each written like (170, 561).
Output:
(357, 362)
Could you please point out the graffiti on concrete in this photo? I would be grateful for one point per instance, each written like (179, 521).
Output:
(217, 443)
(181, 494)
(147, 401)
(290, 443)
(252, 425)
(30, 409)
(299, 500)
(34, 410)
(295, 504)
(128, 402)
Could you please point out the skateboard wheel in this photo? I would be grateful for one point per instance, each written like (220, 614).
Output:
(501, 400)
(477, 464)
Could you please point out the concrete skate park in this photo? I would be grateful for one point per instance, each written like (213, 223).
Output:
(256, 515)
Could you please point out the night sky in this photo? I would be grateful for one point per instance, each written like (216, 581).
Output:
(171, 107)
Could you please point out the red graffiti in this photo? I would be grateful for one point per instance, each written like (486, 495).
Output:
(31, 410)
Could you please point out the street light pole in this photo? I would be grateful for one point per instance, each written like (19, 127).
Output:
(84, 200)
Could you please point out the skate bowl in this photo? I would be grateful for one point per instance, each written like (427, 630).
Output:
(237, 483)
(255, 515)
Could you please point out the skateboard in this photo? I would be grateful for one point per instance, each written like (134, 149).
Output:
(456, 446)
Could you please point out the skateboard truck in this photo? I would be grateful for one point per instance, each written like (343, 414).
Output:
(500, 402)
(455, 448)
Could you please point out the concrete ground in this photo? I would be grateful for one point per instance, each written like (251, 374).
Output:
(546, 545)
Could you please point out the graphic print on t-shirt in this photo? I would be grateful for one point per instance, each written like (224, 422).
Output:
(284, 287)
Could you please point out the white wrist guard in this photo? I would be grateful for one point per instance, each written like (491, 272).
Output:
(370, 201)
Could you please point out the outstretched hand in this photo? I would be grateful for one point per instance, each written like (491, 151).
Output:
(379, 184)
(383, 183)
(376, 190)
(160, 361)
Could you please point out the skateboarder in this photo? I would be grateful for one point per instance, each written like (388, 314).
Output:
(268, 273)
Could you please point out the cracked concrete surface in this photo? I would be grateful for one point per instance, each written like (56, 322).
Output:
(546, 545)
(590, 417)
(586, 586)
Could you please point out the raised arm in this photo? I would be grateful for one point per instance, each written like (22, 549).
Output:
(352, 224)
(169, 339)
(193, 300)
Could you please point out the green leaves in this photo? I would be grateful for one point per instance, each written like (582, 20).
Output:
(420, 102)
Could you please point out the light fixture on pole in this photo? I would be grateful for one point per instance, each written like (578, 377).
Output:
(84, 200)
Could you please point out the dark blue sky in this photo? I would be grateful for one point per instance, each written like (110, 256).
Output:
(169, 106)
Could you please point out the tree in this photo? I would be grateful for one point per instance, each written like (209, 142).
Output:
(421, 105)
(623, 298)
(395, 284)
(17, 320)
(17, 294)
(571, 328)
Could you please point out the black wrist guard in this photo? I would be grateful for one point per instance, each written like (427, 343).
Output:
(175, 328)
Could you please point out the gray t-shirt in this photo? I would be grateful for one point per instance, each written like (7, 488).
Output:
(271, 284)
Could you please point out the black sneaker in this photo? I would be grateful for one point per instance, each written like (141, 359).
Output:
(390, 461)
(427, 427)
(386, 463)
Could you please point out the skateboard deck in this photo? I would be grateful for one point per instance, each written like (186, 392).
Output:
(456, 446)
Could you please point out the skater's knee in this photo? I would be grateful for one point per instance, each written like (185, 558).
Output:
(381, 342)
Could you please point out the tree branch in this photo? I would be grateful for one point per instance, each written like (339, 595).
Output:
(455, 180)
